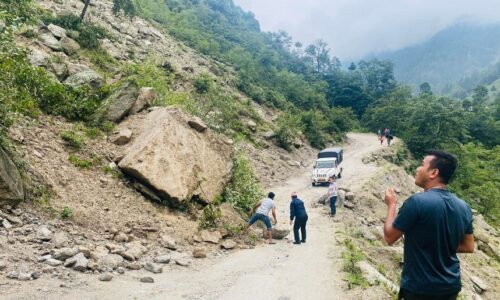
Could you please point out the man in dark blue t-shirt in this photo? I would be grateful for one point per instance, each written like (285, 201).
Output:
(437, 225)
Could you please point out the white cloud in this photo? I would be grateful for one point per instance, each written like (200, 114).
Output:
(354, 28)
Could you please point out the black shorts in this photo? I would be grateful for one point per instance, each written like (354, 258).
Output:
(406, 295)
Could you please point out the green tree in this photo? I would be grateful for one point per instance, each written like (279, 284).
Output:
(425, 88)
(127, 6)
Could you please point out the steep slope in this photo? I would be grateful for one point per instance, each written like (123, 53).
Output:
(448, 56)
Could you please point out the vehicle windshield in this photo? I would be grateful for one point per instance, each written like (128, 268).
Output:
(325, 164)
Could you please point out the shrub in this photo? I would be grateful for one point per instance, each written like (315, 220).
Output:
(351, 256)
(288, 129)
(203, 83)
(81, 163)
(211, 214)
(66, 213)
(73, 139)
(243, 190)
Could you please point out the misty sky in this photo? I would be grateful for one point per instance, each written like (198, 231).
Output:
(354, 28)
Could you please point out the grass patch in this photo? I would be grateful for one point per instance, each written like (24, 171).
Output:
(66, 213)
(81, 163)
(351, 256)
(73, 139)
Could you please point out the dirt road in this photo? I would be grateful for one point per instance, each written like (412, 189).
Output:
(280, 271)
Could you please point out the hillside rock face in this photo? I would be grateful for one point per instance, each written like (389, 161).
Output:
(177, 162)
(11, 186)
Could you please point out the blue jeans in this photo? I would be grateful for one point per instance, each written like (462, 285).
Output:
(261, 217)
(333, 200)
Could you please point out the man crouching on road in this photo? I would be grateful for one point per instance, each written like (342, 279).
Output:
(437, 225)
(262, 213)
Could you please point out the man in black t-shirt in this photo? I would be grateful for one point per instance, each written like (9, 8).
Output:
(437, 225)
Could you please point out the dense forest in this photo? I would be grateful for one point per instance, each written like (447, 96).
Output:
(305, 82)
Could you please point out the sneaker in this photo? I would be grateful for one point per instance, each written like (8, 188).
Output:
(303, 241)
(296, 243)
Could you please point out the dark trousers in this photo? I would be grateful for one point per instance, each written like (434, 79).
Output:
(333, 209)
(300, 223)
(406, 295)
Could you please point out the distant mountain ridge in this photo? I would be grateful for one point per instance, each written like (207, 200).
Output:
(454, 53)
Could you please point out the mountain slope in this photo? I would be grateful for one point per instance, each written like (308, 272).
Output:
(448, 56)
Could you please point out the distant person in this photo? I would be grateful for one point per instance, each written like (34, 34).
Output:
(332, 195)
(388, 136)
(379, 133)
(298, 212)
(437, 225)
(381, 139)
(262, 210)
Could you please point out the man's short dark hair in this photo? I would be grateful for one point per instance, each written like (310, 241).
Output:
(445, 162)
(270, 195)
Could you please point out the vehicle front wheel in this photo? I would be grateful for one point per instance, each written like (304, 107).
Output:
(313, 183)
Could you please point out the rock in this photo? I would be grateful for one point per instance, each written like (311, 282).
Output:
(121, 237)
(134, 251)
(81, 262)
(50, 41)
(479, 285)
(36, 274)
(89, 77)
(111, 261)
(84, 250)
(252, 125)
(374, 277)
(12, 275)
(147, 279)
(146, 97)
(11, 184)
(134, 266)
(228, 244)
(193, 164)
(154, 268)
(3, 265)
(349, 205)
(105, 277)
(69, 45)
(162, 259)
(44, 234)
(197, 124)
(349, 196)
(211, 236)
(269, 135)
(64, 253)
(123, 137)
(199, 253)
(278, 234)
(168, 242)
(69, 262)
(99, 252)
(115, 249)
(481, 236)
(182, 261)
(38, 58)
(24, 276)
(53, 262)
(57, 31)
(341, 198)
(6, 224)
(44, 258)
(119, 104)
(120, 270)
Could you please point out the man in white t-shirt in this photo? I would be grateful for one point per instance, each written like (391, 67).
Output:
(262, 210)
(332, 195)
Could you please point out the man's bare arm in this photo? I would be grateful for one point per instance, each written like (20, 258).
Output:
(467, 244)
(391, 234)
(274, 215)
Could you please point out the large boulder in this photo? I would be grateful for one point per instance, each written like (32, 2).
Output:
(119, 104)
(57, 31)
(49, 40)
(38, 58)
(69, 45)
(88, 77)
(11, 184)
(145, 99)
(177, 162)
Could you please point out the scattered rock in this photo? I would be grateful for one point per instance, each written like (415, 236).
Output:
(269, 135)
(147, 279)
(64, 253)
(154, 268)
(278, 234)
(84, 250)
(69, 45)
(120, 270)
(252, 125)
(228, 244)
(134, 251)
(38, 58)
(6, 224)
(44, 234)
(121, 237)
(182, 261)
(11, 184)
(349, 196)
(146, 97)
(211, 236)
(24, 276)
(478, 284)
(111, 261)
(199, 253)
(168, 242)
(50, 41)
(53, 262)
(162, 259)
(36, 274)
(123, 137)
(197, 124)
(133, 266)
(81, 262)
(119, 104)
(3, 265)
(12, 275)
(105, 277)
(374, 277)
(89, 77)
(57, 31)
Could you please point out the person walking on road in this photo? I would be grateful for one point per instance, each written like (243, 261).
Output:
(298, 212)
(262, 210)
(437, 225)
(332, 195)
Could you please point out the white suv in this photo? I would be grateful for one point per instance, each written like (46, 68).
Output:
(325, 168)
